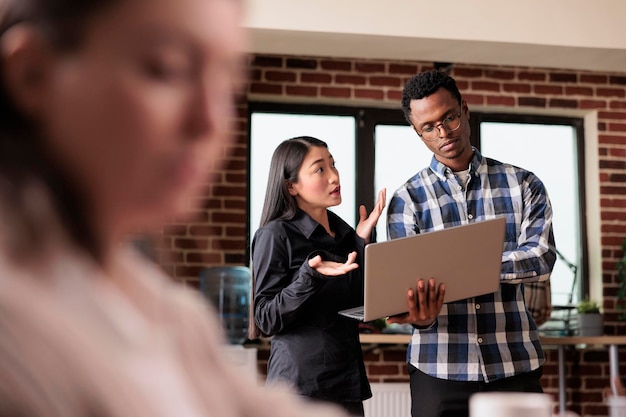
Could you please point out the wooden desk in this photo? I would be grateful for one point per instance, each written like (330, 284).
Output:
(559, 342)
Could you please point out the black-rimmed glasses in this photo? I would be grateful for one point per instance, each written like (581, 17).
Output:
(431, 132)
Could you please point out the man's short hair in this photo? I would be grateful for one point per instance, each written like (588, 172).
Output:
(423, 85)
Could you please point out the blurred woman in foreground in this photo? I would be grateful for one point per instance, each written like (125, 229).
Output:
(113, 116)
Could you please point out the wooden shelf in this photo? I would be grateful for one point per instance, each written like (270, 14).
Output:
(385, 338)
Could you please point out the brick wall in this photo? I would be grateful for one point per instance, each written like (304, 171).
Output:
(218, 237)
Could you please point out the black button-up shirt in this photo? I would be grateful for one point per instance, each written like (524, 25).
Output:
(313, 348)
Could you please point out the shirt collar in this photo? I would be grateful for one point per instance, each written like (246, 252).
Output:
(442, 171)
(308, 226)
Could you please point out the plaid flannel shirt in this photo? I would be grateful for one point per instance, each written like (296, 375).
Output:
(491, 336)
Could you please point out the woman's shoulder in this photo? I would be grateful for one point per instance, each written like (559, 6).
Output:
(279, 229)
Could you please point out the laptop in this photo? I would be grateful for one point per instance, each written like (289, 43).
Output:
(467, 259)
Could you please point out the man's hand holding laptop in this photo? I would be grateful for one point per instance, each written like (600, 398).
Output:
(423, 307)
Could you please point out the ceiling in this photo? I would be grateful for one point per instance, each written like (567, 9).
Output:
(566, 34)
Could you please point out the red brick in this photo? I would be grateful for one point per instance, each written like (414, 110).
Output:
(610, 92)
(531, 76)
(374, 369)
(236, 204)
(593, 78)
(221, 218)
(615, 79)
(591, 104)
(516, 88)
(611, 115)
(350, 79)
(369, 67)
(557, 102)
(336, 65)
(235, 258)
(467, 72)
(463, 85)
(531, 101)
(199, 216)
(618, 104)
(547, 89)
(474, 99)
(236, 178)
(563, 77)
(369, 93)
(230, 190)
(175, 229)
(335, 92)
(617, 127)
(604, 164)
(379, 81)
(257, 88)
(619, 215)
(619, 152)
(485, 86)
(500, 75)
(188, 270)
(301, 63)
(579, 91)
(410, 69)
(267, 61)
(181, 243)
(227, 244)
(394, 95)
(199, 257)
(235, 230)
(208, 231)
(294, 90)
(280, 76)
(316, 78)
(500, 101)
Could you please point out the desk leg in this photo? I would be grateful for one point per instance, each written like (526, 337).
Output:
(562, 389)
(614, 366)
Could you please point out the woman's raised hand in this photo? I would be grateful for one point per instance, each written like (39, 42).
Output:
(367, 223)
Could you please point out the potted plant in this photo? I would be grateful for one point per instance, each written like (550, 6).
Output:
(590, 320)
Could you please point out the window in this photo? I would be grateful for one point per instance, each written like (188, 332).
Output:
(269, 126)
(365, 143)
(551, 148)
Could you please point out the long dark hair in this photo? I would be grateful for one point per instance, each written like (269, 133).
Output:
(279, 204)
(27, 169)
(286, 162)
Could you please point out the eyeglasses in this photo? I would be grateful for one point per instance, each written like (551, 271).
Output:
(449, 124)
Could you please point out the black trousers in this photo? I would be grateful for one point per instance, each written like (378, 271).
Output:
(434, 397)
(353, 408)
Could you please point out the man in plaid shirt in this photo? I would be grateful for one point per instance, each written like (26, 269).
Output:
(485, 343)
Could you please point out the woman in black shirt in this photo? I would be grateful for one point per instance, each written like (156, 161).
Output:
(306, 268)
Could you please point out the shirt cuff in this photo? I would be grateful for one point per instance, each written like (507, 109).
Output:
(430, 326)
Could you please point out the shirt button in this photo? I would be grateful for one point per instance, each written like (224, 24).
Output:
(470, 216)
(459, 188)
(480, 340)
(477, 306)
